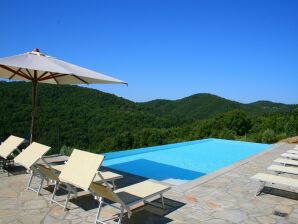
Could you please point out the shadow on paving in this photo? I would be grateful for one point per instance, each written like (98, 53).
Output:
(144, 214)
(15, 170)
(85, 202)
(280, 193)
(60, 191)
(145, 217)
(152, 214)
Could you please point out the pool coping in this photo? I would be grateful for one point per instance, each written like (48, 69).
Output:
(201, 180)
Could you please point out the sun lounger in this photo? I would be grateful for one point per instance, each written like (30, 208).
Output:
(48, 173)
(286, 162)
(290, 156)
(284, 169)
(29, 157)
(127, 196)
(52, 172)
(80, 171)
(292, 151)
(274, 179)
(8, 147)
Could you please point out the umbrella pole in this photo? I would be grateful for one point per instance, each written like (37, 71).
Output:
(34, 89)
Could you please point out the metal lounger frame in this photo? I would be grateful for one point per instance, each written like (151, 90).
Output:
(123, 206)
(57, 184)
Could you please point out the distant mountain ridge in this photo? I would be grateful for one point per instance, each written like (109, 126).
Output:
(90, 119)
(205, 105)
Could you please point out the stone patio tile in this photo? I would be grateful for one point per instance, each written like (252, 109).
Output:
(32, 219)
(35, 204)
(232, 216)
(266, 220)
(216, 221)
(7, 213)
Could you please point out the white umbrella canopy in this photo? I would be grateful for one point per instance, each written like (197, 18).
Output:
(40, 68)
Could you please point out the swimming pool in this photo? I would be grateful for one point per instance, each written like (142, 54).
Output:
(182, 162)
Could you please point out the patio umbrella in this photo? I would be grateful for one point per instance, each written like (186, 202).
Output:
(40, 68)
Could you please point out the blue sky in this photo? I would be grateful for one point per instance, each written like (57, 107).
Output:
(240, 50)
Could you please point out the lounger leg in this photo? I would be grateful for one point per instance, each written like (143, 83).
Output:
(67, 199)
(162, 201)
(99, 209)
(30, 180)
(41, 183)
(261, 188)
(54, 192)
(121, 215)
(129, 214)
(75, 192)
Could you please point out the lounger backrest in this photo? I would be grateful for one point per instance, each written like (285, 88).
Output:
(9, 145)
(32, 154)
(81, 168)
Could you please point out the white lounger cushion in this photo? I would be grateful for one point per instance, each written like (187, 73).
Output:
(31, 154)
(287, 161)
(292, 151)
(284, 169)
(131, 194)
(81, 168)
(289, 155)
(144, 189)
(9, 145)
(269, 178)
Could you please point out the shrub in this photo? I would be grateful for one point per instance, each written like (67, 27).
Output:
(227, 134)
(268, 136)
(66, 150)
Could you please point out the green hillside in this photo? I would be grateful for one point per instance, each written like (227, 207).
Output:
(72, 116)
(204, 105)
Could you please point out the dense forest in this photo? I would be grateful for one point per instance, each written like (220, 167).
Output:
(72, 116)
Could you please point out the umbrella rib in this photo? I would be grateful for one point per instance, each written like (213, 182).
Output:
(29, 73)
(17, 72)
(29, 77)
(42, 75)
(52, 74)
(14, 74)
(60, 75)
(80, 79)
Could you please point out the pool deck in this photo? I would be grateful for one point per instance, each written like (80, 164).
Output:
(226, 196)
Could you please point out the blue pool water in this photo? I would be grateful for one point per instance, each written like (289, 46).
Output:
(182, 162)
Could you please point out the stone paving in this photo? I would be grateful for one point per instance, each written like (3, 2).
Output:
(227, 196)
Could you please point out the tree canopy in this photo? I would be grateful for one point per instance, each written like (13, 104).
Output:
(72, 116)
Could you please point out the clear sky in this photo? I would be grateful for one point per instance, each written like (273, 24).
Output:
(243, 50)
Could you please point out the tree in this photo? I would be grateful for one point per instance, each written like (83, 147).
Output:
(268, 136)
(237, 121)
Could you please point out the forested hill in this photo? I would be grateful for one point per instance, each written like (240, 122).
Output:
(72, 116)
(204, 105)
